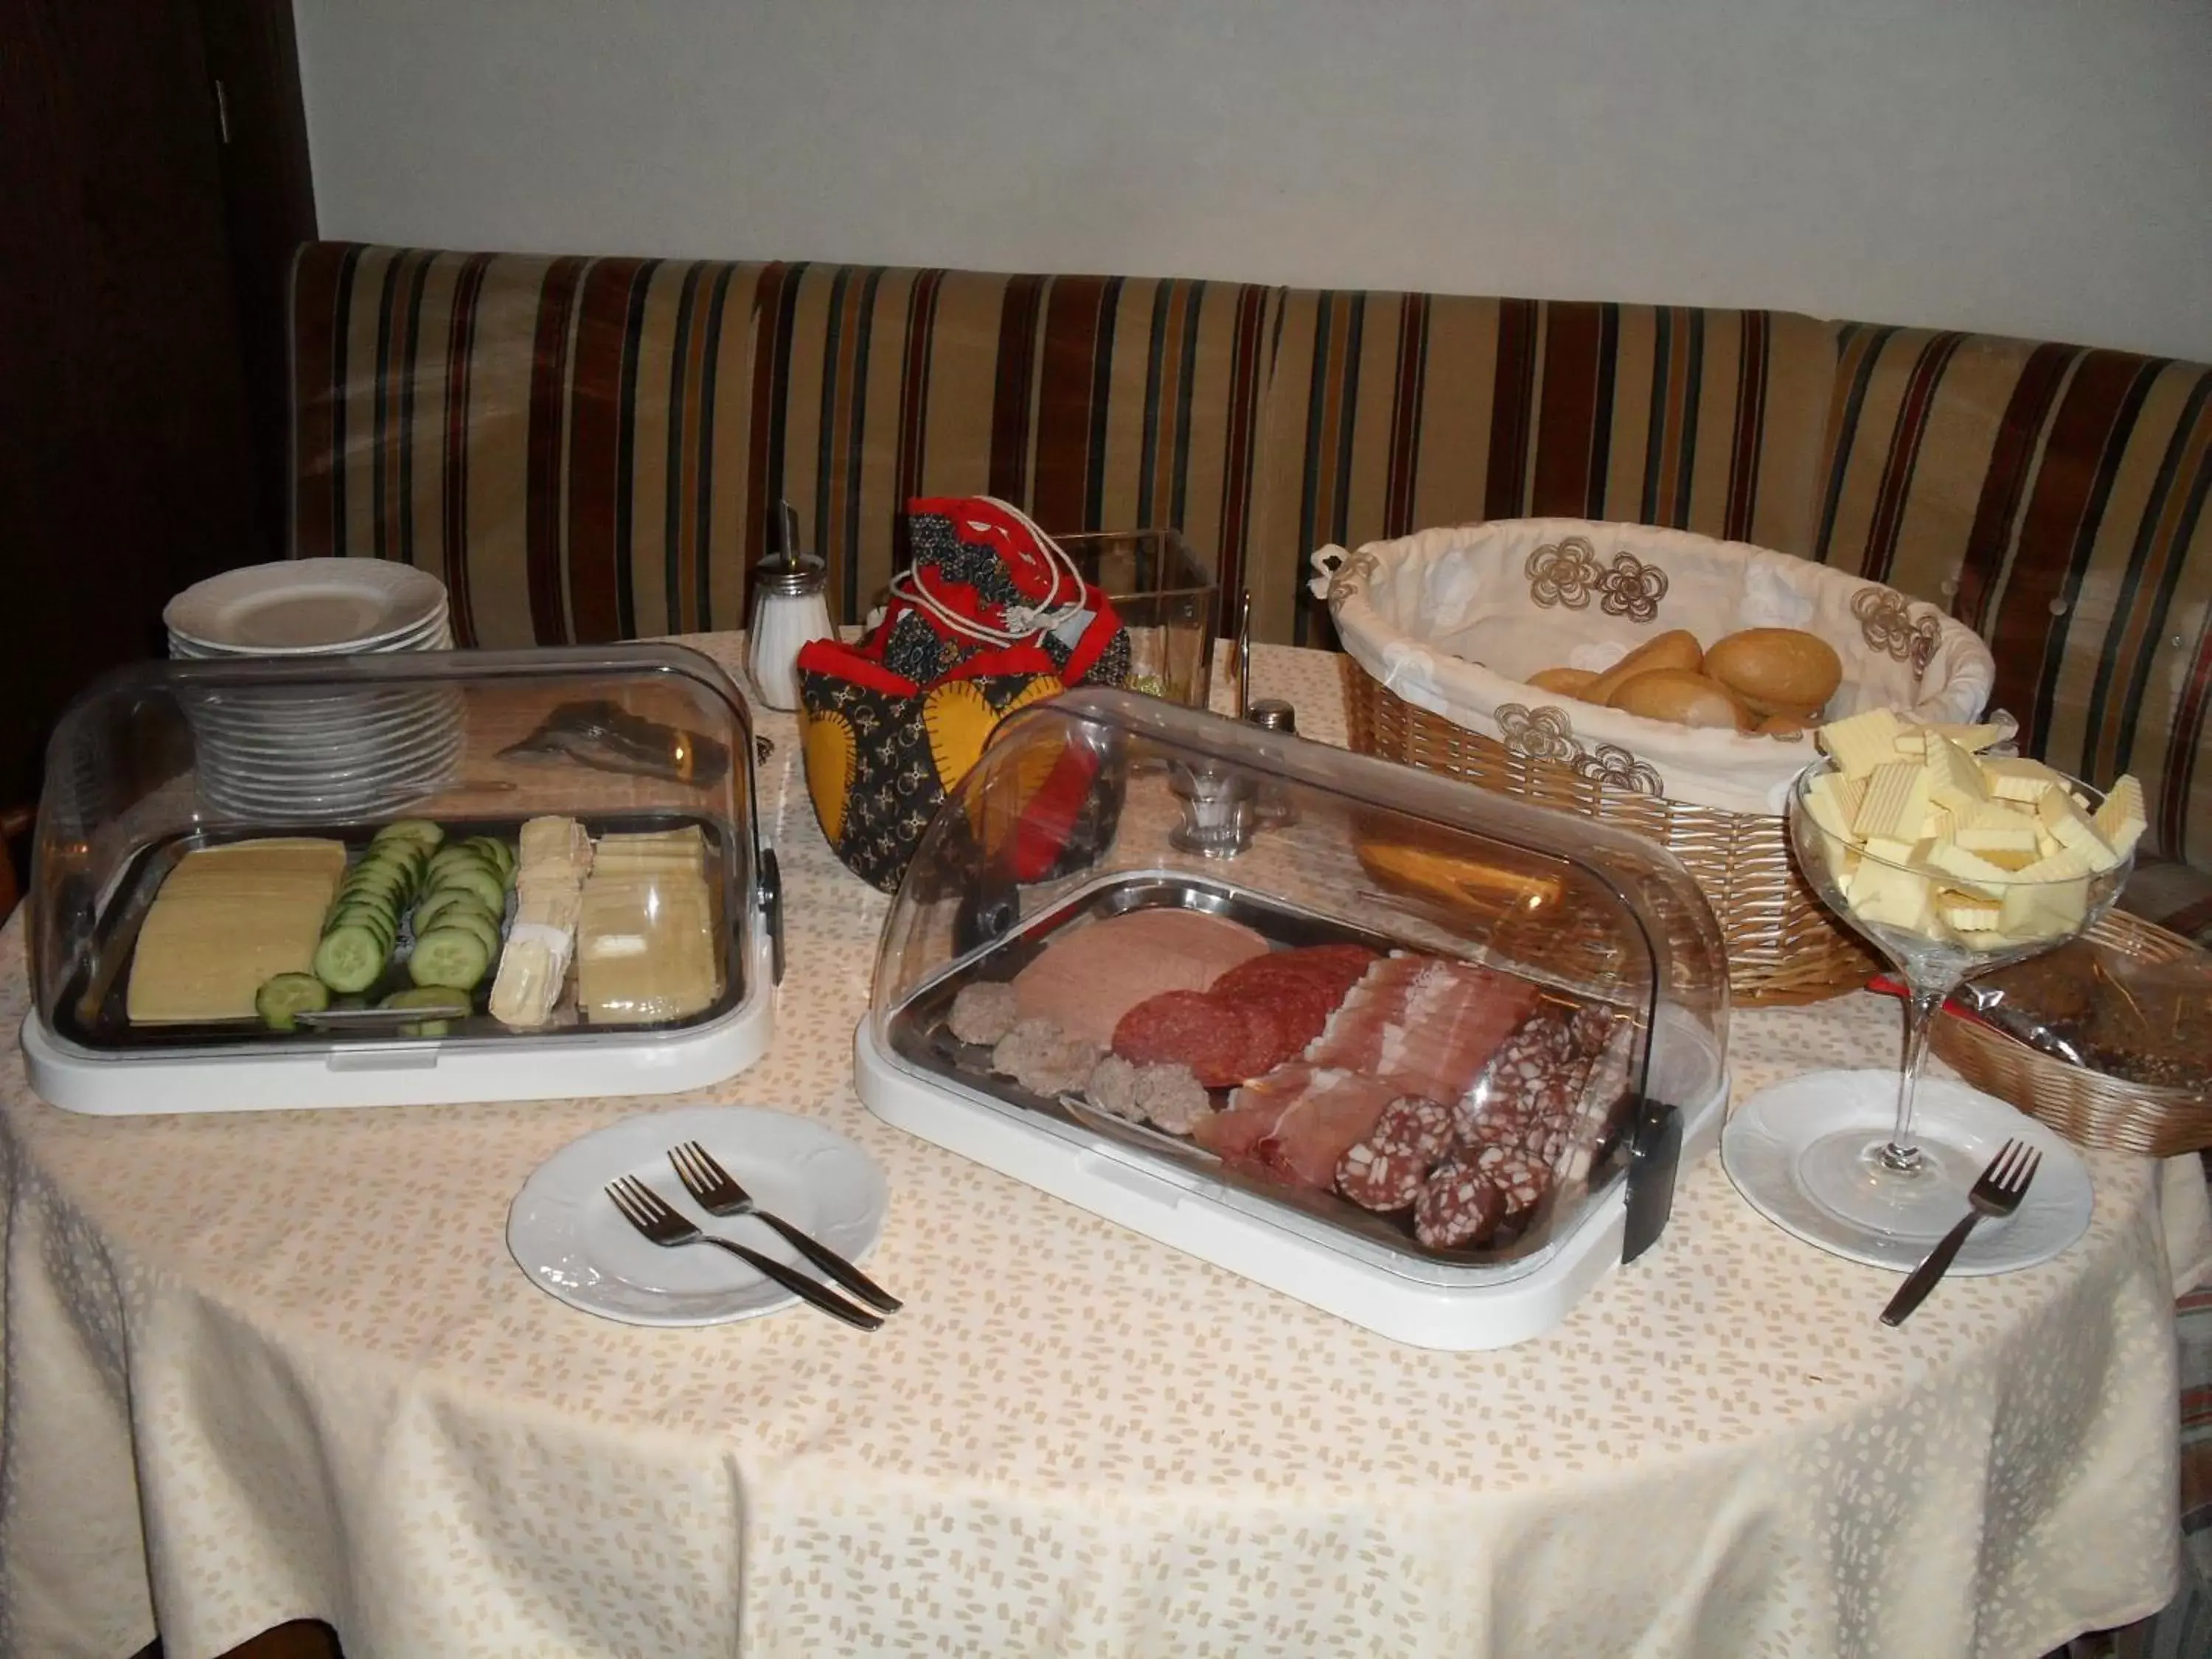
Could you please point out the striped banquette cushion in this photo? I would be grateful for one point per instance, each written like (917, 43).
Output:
(585, 449)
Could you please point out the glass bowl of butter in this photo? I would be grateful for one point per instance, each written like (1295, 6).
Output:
(1951, 861)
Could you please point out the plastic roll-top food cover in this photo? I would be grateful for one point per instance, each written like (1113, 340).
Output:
(413, 876)
(1424, 1027)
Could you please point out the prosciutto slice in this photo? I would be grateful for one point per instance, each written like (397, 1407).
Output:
(1298, 1121)
(1423, 1025)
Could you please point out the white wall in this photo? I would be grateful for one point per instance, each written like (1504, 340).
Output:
(2031, 166)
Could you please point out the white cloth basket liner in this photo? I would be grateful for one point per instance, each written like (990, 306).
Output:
(1453, 620)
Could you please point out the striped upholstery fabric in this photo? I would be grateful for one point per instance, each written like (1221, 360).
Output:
(2053, 497)
(1391, 412)
(585, 449)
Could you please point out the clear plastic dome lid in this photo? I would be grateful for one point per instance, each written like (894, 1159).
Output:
(259, 857)
(1426, 1023)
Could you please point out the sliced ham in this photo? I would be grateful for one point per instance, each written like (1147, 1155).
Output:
(1086, 979)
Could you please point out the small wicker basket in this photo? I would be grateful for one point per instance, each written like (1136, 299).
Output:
(2081, 1104)
(1784, 945)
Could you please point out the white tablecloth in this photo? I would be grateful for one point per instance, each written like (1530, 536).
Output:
(280, 1366)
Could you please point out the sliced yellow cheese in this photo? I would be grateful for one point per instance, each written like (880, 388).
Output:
(2123, 818)
(1896, 804)
(1861, 743)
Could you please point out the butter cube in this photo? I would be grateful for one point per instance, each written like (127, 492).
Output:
(2011, 778)
(2016, 837)
(1897, 803)
(1861, 743)
(1896, 898)
(2123, 818)
(2001, 815)
(2047, 899)
(1969, 871)
(1954, 778)
(1970, 913)
(2069, 826)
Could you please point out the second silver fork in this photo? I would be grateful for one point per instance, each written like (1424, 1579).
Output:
(719, 1194)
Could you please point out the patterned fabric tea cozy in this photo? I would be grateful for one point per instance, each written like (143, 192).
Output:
(992, 617)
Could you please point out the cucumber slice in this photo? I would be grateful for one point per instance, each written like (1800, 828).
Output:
(349, 959)
(281, 1000)
(473, 879)
(380, 878)
(421, 831)
(360, 913)
(403, 857)
(432, 909)
(498, 851)
(449, 956)
(469, 920)
(424, 996)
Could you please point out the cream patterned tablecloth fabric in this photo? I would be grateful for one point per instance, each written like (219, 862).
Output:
(268, 1366)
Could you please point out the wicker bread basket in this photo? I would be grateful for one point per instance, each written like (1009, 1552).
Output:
(1406, 608)
(2083, 1105)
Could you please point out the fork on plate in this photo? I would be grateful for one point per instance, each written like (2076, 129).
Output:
(719, 1194)
(1998, 1193)
(650, 1213)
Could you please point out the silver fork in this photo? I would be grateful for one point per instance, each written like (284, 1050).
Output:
(648, 1212)
(719, 1194)
(1998, 1193)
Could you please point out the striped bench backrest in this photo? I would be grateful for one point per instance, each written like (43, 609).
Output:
(587, 449)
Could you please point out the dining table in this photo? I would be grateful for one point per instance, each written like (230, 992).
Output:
(280, 1365)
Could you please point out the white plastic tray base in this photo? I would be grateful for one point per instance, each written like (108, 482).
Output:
(407, 1072)
(1149, 1200)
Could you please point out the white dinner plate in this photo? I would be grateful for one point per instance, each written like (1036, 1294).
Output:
(1763, 1143)
(306, 607)
(435, 633)
(565, 1232)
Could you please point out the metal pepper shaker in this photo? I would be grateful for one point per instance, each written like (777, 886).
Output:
(1270, 802)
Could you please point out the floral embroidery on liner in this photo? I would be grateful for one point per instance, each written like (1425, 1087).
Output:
(1567, 572)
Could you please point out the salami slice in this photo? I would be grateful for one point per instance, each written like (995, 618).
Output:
(1381, 1180)
(1186, 1028)
(1415, 1126)
(1457, 1206)
(1301, 1006)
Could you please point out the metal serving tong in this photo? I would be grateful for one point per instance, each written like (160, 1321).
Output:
(608, 737)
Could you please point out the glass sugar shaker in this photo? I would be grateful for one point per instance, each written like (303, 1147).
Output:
(790, 607)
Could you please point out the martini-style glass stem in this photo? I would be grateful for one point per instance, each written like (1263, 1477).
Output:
(1922, 1004)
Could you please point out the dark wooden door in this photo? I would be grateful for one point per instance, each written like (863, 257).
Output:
(142, 253)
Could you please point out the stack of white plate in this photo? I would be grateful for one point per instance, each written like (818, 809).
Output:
(321, 751)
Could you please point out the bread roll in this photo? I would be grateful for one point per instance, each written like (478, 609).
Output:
(1676, 648)
(1777, 670)
(1565, 682)
(1686, 699)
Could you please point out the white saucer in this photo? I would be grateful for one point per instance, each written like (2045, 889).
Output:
(565, 1234)
(1764, 1142)
(305, 607)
